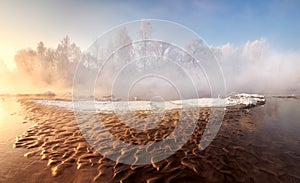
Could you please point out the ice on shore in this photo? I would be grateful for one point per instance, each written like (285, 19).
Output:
(89, 105)
(245, 99)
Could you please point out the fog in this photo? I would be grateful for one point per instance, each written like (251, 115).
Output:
(13, 82)
(41, 69)
(254, 67)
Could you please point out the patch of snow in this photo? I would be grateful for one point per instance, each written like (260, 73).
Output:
(89, 105)
(246, 99)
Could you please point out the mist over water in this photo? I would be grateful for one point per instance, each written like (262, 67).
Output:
(171, 76)
(256, 67)
(252, 68)
(41, 69)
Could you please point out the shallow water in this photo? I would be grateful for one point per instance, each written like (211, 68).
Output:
(12, 123)
(260, 144)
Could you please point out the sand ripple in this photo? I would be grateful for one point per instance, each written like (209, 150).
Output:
(56, 139)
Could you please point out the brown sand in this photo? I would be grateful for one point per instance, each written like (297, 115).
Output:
(239, 153)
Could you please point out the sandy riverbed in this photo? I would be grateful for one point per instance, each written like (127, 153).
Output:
(253, 145)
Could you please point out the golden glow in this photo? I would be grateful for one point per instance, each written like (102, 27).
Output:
(8, 108)
(7, 56)
(2, 112)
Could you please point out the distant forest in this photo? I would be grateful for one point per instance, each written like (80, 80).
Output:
(52, 65)
(44, 67)
(49, 65)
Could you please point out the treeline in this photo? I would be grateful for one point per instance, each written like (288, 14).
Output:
(48, 65)
(51, 66)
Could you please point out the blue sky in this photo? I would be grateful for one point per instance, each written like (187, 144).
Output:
(24, 23)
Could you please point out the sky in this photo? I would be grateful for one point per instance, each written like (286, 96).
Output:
(24, 23)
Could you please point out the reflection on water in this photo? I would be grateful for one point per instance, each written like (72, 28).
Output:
(11, 124)
(283, 113)
(281, 119)
(10, 118)
(276, 140)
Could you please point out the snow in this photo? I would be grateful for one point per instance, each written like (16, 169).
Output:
(89, 105)
(246, 99)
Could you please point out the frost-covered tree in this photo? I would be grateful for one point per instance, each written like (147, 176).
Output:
(145, 29)
(41, 49)
(145, 34)
(49, 65)
(123, 45)
(67, 56)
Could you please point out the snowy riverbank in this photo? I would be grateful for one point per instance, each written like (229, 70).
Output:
(239, 99)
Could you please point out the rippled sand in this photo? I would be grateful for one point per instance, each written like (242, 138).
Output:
(235, 155)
